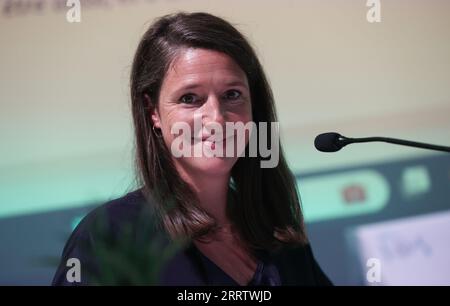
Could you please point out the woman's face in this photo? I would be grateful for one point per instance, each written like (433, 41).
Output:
(208, 88)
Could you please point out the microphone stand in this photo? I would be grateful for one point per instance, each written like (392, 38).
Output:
(345, 141)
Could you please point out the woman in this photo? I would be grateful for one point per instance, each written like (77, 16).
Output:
(239, 223)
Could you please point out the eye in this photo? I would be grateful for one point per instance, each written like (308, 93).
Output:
(232, 94)
(189, 98)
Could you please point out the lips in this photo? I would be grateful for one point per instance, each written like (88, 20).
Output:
(207, 139)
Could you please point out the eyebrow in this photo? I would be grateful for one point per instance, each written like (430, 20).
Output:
(196, 85)
(236, 83)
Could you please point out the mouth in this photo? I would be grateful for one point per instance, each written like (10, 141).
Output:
(207, 139)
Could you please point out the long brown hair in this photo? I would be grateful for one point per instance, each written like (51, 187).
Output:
(266, 207)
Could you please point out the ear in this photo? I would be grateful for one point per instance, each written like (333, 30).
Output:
(153, 113)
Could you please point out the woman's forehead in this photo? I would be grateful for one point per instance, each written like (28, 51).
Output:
(195, 63)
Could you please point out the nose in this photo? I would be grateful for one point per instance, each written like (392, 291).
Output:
(213, 111)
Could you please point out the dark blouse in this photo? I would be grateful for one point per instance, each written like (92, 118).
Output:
(117, 245)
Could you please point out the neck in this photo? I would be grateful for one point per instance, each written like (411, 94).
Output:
(212, 192)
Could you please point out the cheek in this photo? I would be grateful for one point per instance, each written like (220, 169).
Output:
(248, 112)
(242, 115)
(171, 117)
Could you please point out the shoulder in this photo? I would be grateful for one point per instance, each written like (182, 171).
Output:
(104, 230)
(120, 210)
(114, 214)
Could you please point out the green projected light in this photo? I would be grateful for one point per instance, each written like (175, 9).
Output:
(343, 195)
(65, 183)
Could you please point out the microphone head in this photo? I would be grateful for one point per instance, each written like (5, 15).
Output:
(328, 142)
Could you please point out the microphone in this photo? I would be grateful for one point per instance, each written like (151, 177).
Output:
(333, 142)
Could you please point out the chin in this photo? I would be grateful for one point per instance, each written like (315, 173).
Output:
(211, 165)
